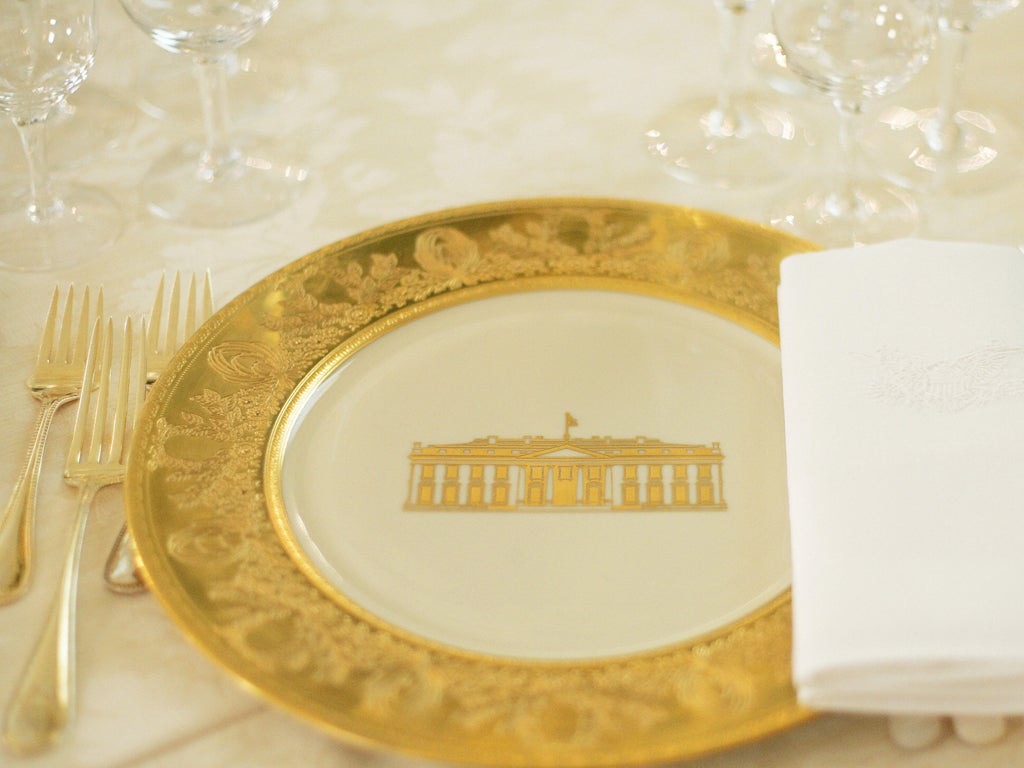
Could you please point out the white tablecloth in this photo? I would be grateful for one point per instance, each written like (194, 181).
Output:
(402, 107)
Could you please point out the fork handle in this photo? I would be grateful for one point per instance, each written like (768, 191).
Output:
(44, 702)
(16, 525)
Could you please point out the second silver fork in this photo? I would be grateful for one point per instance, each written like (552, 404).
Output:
(189, 309)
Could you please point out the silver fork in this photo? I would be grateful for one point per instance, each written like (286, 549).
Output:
(44, 702)
(192, 308)
(121, 571)
(55, 381)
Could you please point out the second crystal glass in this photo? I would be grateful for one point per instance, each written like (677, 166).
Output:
(853, 51)
(226, 178)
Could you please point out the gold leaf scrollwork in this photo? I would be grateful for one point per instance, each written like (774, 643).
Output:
(709, 686)
(367, 285)
(712, 265)
(246, 362)
(208, 544)
(448, 253)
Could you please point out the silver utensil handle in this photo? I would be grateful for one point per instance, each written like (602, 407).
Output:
(44, 701)
(121, 572)
(16, 524)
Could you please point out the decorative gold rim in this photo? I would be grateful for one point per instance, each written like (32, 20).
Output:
(202, 509)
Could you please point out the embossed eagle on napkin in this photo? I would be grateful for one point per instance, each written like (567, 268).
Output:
(903, 379)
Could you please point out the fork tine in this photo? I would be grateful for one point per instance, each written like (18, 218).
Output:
(207, 305)
(78, 433)
(139, 380)
(122, 421)
(93, 450)
(173, 313)
(46, 342)
(82, 342)
(190, 308)
(63, 349)
(155, 317)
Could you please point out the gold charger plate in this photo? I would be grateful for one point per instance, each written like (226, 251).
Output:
(247, 560)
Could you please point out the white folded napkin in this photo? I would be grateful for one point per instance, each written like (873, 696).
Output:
(903, 378)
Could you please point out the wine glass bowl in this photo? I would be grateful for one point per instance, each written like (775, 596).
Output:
(41, 68)
(225, 177)
(47, 48)
(200, 29)
(853, 52)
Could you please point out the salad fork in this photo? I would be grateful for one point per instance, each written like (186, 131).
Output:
(44, 702)
(55, 381)
(191, 310)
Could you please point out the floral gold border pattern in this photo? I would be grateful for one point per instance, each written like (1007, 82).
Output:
(199, 500)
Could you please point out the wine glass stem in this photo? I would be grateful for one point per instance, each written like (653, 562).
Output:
(212, 75)
(942, 132)
(844, 197)
(731, 19)
(43, 203)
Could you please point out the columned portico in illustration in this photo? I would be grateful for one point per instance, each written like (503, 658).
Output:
(566, 473)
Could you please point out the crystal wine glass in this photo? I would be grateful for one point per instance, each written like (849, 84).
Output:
(949, 147)
(733, 139)
(852, 51)
(225, 178)
(47, 48)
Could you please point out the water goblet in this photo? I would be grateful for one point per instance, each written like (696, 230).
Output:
(47, 48)
(225, 178)
(733, 139)
(852, 51)
(949, 147)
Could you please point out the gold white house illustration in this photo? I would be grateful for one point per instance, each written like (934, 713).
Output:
(541, 473)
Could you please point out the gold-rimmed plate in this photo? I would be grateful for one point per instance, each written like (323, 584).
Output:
(500, 485)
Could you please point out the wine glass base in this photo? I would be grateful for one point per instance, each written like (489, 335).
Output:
(986, 153)
(871, 212)
(255, 181)
(692, 142)
(85, 223)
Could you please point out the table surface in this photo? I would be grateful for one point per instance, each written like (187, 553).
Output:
(401, 107)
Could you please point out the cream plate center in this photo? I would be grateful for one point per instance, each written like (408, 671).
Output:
(552, 474)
